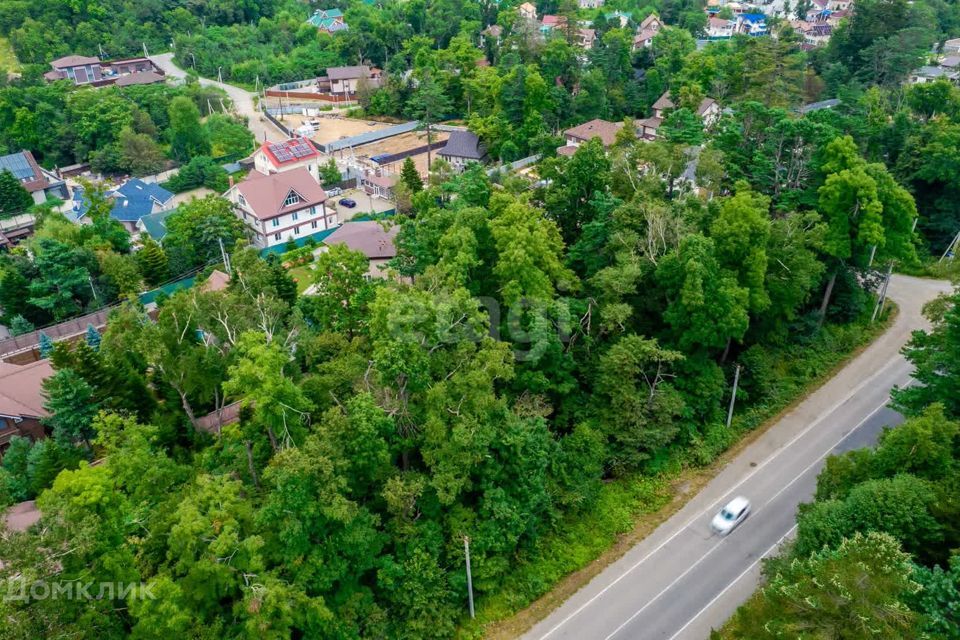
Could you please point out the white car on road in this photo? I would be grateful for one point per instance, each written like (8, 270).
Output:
(731, 515)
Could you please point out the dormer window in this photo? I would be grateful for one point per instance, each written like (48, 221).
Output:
(243, 201)
(292, 199)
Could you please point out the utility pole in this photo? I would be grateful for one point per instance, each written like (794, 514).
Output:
(146, 54)
(882, 300)
(873, 253)
(93, 289)
(466, 551)
(226, 258)
(220, 76)
(953, 243)
(733, 395)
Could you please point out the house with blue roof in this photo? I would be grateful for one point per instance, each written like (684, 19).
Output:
(132, 200)
(752, 24)
(328, 20)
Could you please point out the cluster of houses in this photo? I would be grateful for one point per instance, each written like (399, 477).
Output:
(946, 66)
(646, 128)
(328, 20)
(90, 70)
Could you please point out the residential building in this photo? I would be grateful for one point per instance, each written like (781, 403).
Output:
(527, 11)
(647, 30)
(551, 22)
(952, 46)
(21, 400)
(719, 28)
(155, 224)
(494, 32)
(281, 206)
(369, 238)
(931, 74)
(752, 24)
(89, 70)
(344, 81)
(276, 157)
(619, 16)
(648, 128)
(605, 130)
(462, 148)
(132, 200)
(590, 4)
(41, 184)
(15, 228)
(328, 20)
(586, 38)
(378, 186)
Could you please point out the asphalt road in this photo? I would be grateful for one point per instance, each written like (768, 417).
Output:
(683, 580)
(261, 128)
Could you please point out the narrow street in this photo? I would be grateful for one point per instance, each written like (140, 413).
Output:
(243, 100)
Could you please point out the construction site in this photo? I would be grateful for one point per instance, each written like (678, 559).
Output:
(368, 146)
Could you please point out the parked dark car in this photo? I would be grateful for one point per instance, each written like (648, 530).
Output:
(347, 202)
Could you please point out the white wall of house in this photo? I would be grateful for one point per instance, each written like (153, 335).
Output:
(279, 229)
(263, 164)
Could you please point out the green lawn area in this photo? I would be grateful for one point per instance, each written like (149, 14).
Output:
(303, 275)
(8, 59)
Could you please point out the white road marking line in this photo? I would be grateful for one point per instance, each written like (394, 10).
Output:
(752, 473)
(767, 503)
(735, 581)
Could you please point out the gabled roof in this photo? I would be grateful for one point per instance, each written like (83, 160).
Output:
(140, 77)
(73, 61)
(136, 198)
(705, 104)
(131, 201)
(464, 144)
(155, 224)
(265, 194)
(289, 151)
(603, 129)
(348, 73)
(20, 389)
(25, 169)
(645, 34)
(664, 101)
(216, 281)
(367, 237)
(649, 20)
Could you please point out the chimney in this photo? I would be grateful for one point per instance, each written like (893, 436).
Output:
(230, 181)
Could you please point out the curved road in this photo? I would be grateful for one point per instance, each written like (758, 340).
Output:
(682, 581)
(243, 102)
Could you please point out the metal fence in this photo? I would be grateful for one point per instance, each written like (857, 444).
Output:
(60, 331)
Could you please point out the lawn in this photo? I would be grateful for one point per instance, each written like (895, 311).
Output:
(8, 59)
(303, 276)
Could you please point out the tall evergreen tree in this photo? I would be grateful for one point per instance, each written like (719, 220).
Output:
(13, 197)
(410, 176)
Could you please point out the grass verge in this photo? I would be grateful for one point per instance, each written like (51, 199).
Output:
(629, 509)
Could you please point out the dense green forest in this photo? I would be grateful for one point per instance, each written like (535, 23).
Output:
(549, 344)
(537, 354)
(876, 552)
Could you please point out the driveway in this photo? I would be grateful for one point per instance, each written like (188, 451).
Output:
(243, 100)
(683, 580)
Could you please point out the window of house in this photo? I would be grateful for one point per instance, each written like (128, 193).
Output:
(292, 199)
(313, 225)
(241, 199)
(296, 215)
(296, 231)
(276, 236)
(276, 222)
(332, 221)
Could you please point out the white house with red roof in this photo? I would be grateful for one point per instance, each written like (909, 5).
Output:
(283, 206)
(295, 153)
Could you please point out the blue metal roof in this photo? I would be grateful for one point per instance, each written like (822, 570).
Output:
(19, 166)
(132, 201)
